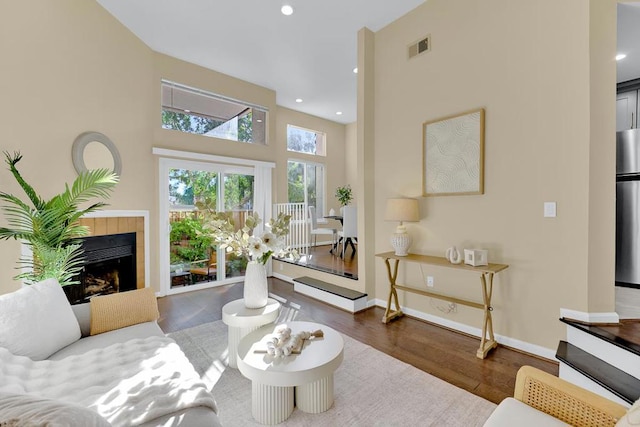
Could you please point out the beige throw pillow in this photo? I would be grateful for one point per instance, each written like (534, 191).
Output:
(115, 311)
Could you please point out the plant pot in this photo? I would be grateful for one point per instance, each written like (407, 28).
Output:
(256, 289)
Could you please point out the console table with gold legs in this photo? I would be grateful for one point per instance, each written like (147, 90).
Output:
(487, 341)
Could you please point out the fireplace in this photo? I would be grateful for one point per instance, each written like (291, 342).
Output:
(109, 267)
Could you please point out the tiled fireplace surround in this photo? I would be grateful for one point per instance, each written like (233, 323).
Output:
(102, 224)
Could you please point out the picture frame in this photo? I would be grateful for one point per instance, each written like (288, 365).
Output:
(453, 155)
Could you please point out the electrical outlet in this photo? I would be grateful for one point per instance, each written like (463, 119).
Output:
(430, 281)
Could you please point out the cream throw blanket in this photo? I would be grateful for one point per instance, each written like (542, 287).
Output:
(128, 383)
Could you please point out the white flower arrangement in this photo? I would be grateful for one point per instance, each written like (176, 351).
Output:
(242, 242)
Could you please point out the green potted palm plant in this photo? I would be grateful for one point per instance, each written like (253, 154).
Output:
(50, 227)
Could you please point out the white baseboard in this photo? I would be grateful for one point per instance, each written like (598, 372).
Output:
(582, 316)
(282, 277)
(346, 304)
(537, 350)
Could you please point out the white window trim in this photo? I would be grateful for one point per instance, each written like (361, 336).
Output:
(212, 158)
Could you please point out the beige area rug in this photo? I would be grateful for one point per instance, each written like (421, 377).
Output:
(371, 388)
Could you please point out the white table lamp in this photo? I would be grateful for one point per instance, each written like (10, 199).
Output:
(403, 210)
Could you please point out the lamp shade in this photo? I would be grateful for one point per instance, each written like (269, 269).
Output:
(402, 210)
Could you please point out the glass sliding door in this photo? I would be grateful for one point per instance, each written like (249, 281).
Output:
(191, 190)
(238, 199)
(192, 258)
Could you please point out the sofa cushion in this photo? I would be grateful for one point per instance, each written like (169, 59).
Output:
(632, 417)
(123, 309)
(512, 412)
(141, 330)
(26, 410)
(37, 320)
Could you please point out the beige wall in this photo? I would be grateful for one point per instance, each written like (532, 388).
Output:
(351, 154)
(69, 67)
(74, 68)
(602, 156)
(366, 152)
(534, 68)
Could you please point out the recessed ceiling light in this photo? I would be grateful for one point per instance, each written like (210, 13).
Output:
(298, 100)
(355, 70)
(259, 120)
(187, 111)
(620, 56)
(286, 10)
(339, 113)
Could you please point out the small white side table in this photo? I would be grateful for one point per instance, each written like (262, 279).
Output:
(242, 320)
(275, 381)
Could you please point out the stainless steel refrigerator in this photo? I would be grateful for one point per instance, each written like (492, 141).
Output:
(628, 208)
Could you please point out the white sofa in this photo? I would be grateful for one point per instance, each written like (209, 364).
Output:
(541, 400)
(37, 385)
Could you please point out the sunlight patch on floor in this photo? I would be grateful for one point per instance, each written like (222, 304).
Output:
(213, 374)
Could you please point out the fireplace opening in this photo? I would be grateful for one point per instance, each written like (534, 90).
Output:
(109, 267)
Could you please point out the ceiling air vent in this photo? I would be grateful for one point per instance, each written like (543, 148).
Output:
(421, 46)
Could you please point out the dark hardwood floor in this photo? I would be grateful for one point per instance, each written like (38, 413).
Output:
(443, 353)
(628, 329)
(320, 258)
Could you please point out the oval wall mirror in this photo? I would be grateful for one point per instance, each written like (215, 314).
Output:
(93, 150)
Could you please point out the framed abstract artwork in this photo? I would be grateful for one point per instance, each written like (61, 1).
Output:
(453, 155)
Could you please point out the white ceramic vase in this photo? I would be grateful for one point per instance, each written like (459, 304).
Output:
(256, 289)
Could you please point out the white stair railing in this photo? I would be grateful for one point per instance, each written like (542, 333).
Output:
(298, 237)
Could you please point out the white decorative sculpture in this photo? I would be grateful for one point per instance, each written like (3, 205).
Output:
(476, 257)
(282, 343)
(453, 255)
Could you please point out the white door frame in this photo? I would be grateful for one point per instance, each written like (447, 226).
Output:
(262, 172)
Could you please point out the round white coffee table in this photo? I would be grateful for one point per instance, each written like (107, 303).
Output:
(242, 320)
(275, 380)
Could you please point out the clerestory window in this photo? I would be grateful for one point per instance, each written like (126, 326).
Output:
(204, 113)
(306, 141)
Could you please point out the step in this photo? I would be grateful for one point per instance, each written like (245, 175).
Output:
(346, 299)
(610, 378)
(605, 345)
(627, 302)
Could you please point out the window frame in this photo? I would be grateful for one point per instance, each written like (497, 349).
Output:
(323, 144)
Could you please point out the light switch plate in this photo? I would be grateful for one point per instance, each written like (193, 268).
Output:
(549, 209)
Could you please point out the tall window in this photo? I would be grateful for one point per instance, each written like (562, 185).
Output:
(306, 141)
(306, 184)
(196, 111)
